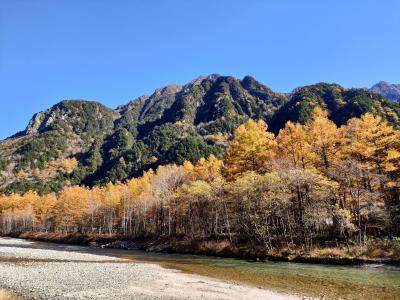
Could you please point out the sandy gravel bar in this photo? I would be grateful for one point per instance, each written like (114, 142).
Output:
(53, 274)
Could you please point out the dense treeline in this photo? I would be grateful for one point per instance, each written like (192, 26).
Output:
(311, 182)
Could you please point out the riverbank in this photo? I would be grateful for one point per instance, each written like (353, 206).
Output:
(320, 281)
(36, 273)
(373, 252)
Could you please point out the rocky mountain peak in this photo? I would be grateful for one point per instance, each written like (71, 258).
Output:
(169, 89)
(390, 91)
(78, 114)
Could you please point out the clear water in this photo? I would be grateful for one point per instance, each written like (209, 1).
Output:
(333, 282)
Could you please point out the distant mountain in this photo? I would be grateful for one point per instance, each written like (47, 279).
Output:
(390, 91)
(174, 124)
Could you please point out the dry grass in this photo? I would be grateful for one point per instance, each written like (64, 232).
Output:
(6, 295)
(216, 246)
(383, 248)
(372, 249)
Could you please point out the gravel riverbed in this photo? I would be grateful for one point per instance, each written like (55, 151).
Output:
(53, 274)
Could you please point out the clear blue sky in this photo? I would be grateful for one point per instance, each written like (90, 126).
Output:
(114, 51)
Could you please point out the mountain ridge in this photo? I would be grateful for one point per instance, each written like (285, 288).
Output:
(173, 124)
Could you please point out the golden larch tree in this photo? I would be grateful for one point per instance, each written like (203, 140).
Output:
(250, 149)
(72, 204)
(373, 141)
(205, 169)
(325, 139)
(294, 146)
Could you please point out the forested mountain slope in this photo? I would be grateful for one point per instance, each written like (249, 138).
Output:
(340, 103)
(82, 142)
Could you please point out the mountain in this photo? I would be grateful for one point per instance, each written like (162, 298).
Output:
(341, 104)
(390, 91)
(84, 142)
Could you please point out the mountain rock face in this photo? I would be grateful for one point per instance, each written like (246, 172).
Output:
(81, 117)
(174, 124)
(390, 91)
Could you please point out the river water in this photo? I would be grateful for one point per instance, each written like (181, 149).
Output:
(332, 282)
